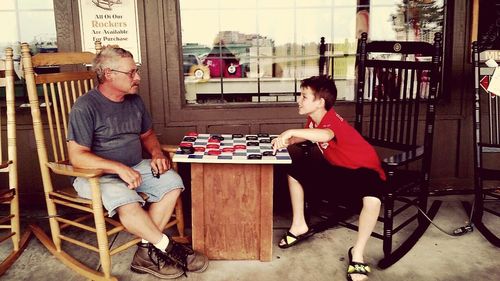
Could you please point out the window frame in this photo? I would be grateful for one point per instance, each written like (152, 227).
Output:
(447, 18)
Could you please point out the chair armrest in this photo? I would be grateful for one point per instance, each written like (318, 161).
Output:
(169, 148)
(489, 147)
(61, 168)
(5, 164)
(404, 157)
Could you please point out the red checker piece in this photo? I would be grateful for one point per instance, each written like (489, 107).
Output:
(213, 145)
(199, 148)
(186, 144)
(240, 146)
(214, 140)
(192, 134)
(214, 152)
(228, 149)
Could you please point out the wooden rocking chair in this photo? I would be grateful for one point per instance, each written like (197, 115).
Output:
(9, 221)
(59, 91)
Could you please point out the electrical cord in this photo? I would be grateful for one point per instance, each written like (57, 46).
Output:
(469, 227)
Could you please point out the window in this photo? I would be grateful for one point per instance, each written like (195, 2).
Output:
(30, 21)
(260, 50)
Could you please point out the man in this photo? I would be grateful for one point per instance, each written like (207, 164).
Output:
(108, 128)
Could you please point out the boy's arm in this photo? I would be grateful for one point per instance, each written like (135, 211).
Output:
(297, 135)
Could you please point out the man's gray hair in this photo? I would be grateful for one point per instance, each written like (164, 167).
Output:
(107, 58)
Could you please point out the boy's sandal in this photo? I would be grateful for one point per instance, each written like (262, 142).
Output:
(290, 239)
(356, 267)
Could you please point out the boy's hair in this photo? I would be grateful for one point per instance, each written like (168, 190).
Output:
(107, 58)
(323, 87)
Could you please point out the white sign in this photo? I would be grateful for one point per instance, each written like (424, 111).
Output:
(113, 22)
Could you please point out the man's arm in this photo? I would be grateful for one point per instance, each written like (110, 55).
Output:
(159, 162)
(82, 157)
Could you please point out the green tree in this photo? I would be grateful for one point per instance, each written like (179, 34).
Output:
(422, 17)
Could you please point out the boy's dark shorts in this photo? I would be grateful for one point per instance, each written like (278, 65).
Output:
(321, 180)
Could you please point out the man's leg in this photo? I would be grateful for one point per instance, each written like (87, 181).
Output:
(138, 222)
(148, 258)
(117, 197)
(160, 212)
(367, 221)
(163, 193)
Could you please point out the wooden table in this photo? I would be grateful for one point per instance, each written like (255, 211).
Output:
(232, 200)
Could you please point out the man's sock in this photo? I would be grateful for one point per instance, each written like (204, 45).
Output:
(143, 241)
(163, 243)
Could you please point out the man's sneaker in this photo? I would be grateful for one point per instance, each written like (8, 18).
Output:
(148, 259)
(185, 257)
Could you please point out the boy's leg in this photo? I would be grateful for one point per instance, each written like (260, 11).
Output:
(299, 225)
(367, 220)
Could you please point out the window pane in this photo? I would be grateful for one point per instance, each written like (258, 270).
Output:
(344, 24)
(280, 4)
(8, 5)
(241, 5)
(35, 4)
(259, 50)
(39, 31)
(233, 23)
(316, 3)
(199, 4)
(196, 31)
(11, 37)
(381, 24)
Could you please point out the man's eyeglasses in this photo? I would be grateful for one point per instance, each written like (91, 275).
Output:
(130, 73)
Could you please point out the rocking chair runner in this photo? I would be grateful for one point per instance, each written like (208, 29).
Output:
(60, 90)
(9, 221)
(486, 118)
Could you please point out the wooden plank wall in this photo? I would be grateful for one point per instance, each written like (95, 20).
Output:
(162, 91)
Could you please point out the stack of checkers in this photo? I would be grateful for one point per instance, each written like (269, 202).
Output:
(229, 148)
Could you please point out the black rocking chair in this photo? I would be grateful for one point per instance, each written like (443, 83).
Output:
(486, 118)
(397, 85)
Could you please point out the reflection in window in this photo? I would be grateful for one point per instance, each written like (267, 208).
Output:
(30, 21)
(260, 50)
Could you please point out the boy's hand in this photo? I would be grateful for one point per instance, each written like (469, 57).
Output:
(282, 141)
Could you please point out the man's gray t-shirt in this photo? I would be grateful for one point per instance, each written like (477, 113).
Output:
(110, 129)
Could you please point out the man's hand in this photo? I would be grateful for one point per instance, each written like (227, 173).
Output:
(130, 176)
(160, 164)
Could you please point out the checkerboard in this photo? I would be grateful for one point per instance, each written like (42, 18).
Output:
(230, 149)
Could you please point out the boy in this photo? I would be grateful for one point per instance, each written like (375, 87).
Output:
(340, 162)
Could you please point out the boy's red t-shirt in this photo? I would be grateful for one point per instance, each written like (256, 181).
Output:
(347, 148)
